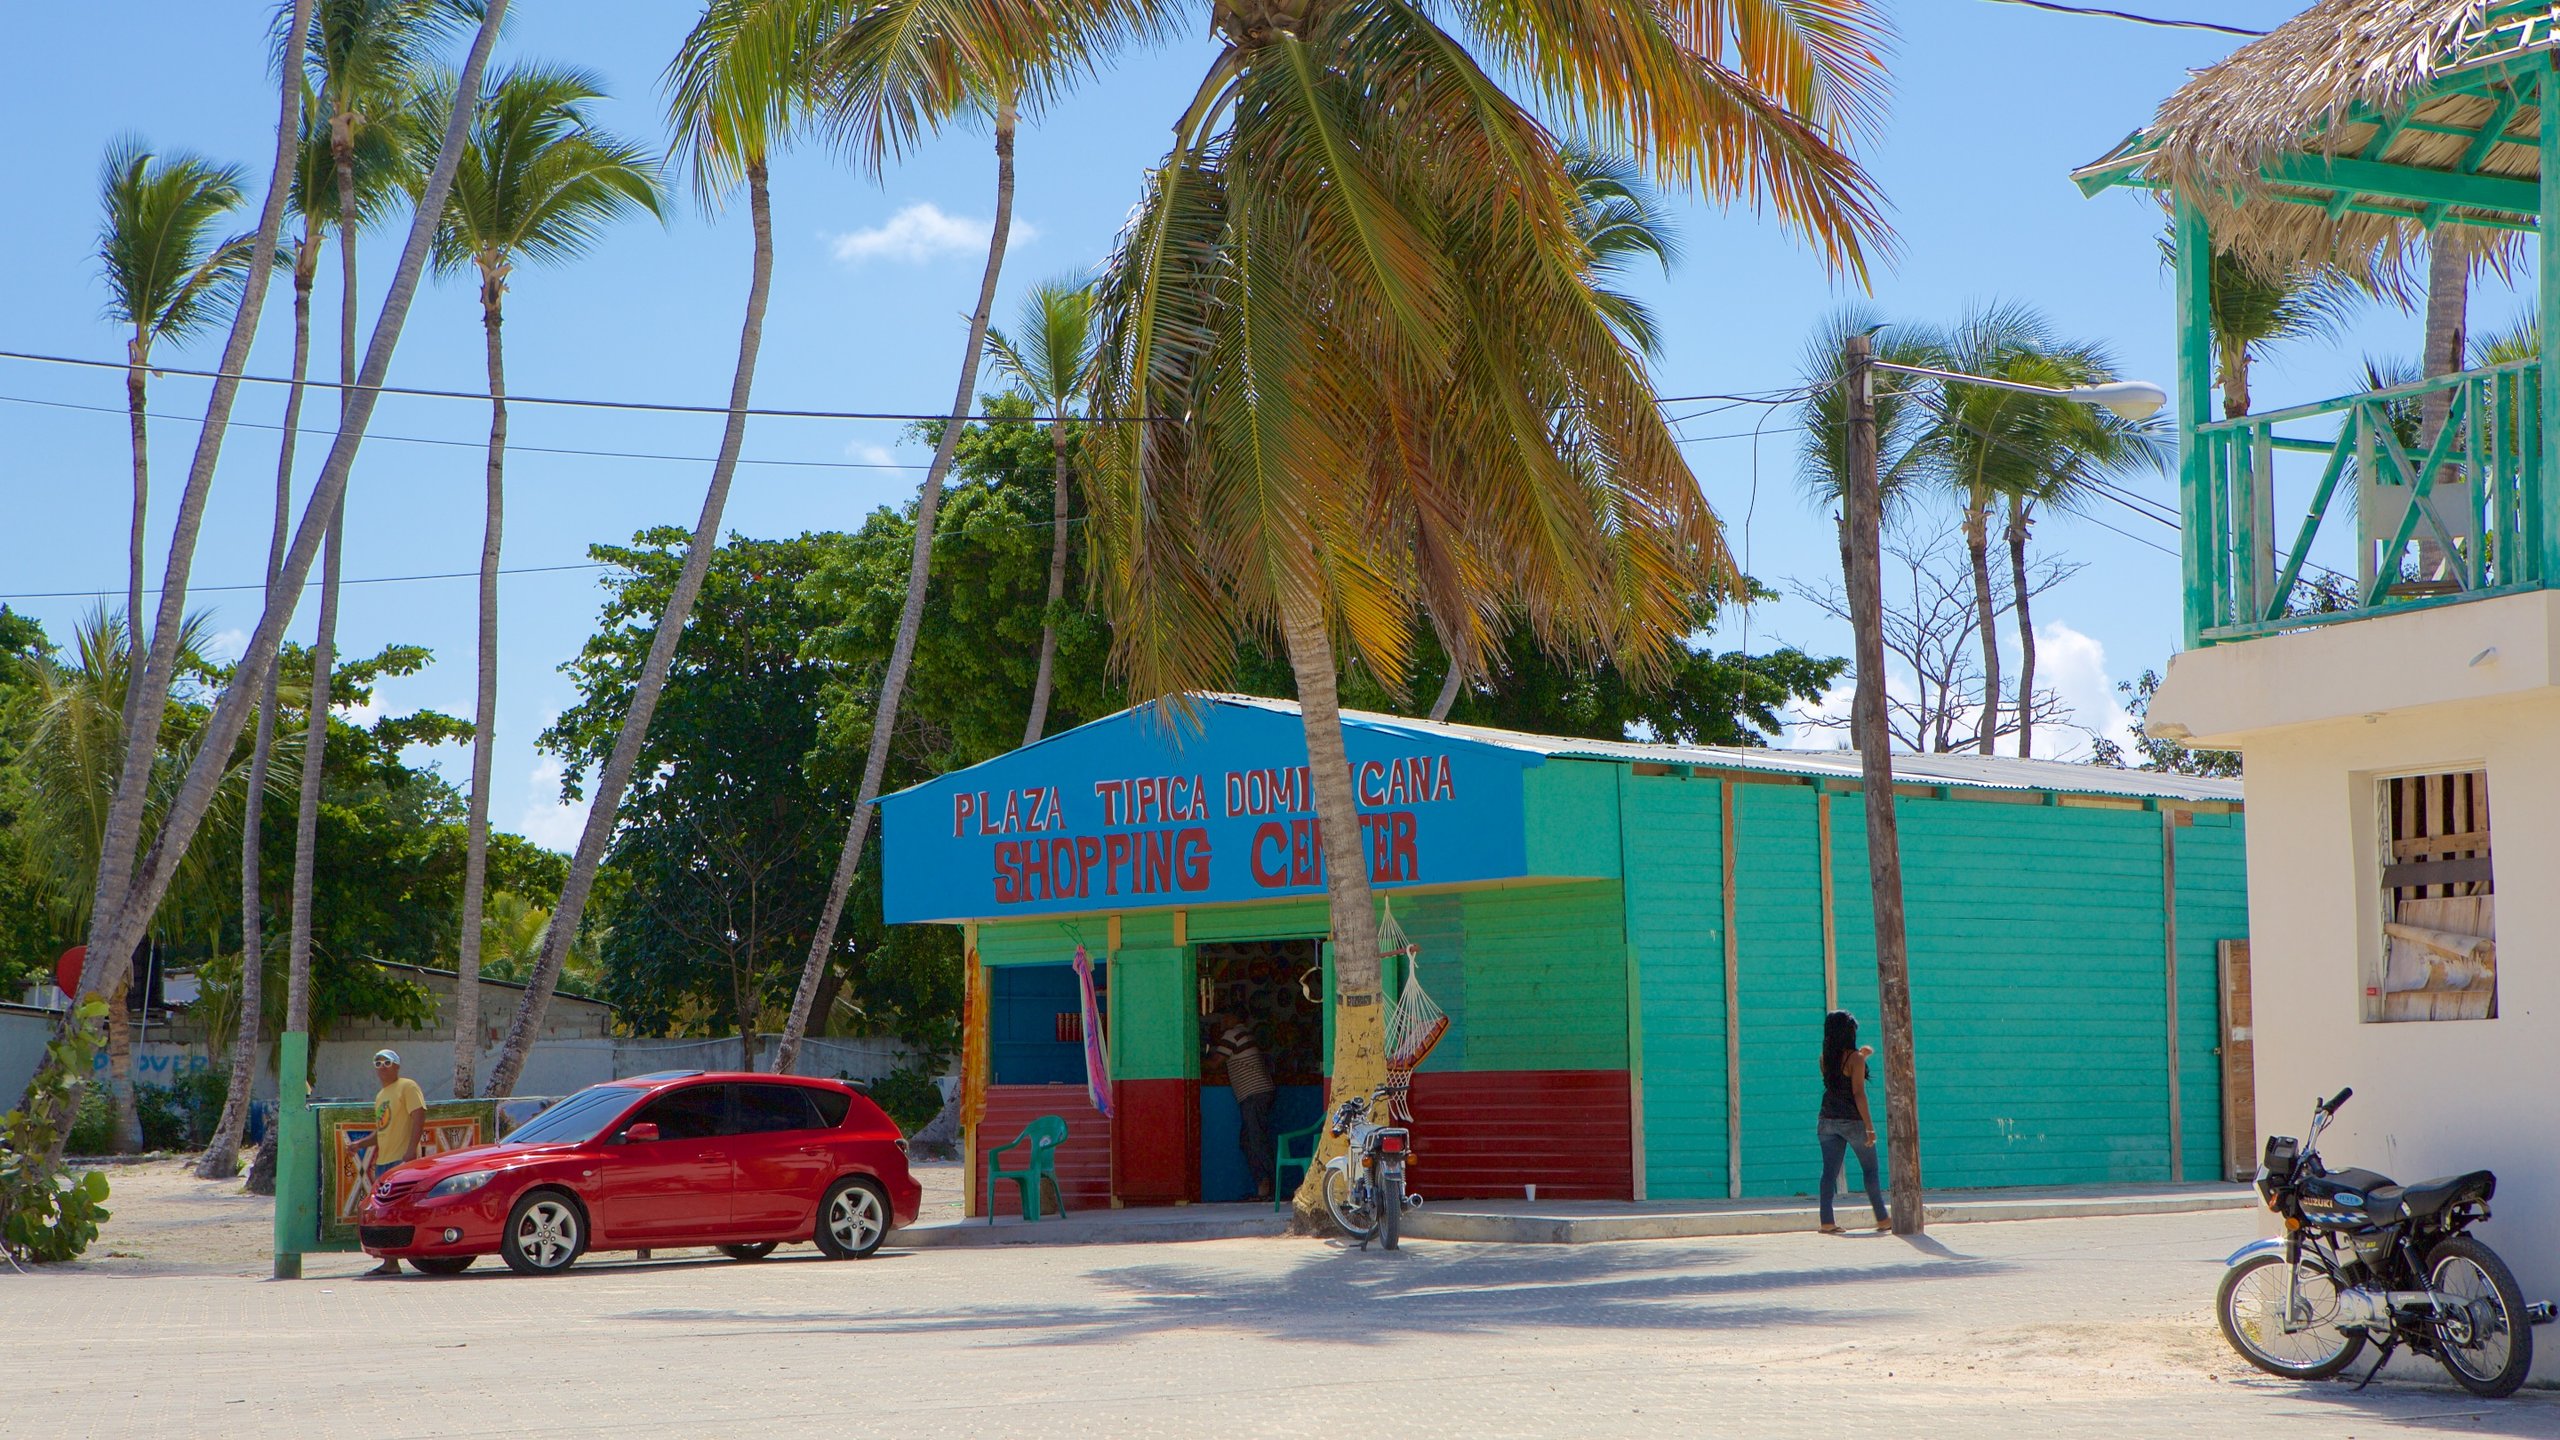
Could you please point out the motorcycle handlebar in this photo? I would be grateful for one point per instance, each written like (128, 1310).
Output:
(2330, 1105)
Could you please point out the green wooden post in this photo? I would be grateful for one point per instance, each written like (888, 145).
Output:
(2540, 513)
(2196, 509)
(297, 1167)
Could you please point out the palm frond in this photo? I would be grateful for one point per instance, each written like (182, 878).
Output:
(168, 275)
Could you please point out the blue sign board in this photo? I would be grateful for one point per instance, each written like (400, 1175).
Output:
(1142, 810)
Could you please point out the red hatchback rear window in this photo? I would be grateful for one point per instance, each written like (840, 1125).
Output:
(832, 1105)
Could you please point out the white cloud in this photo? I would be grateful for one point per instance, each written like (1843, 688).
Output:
(921, 232)
(869, 454)
(2074, 667)
(227, 646)
(548, 821)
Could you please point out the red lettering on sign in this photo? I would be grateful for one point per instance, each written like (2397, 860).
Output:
(961, 804)
(1272, 839)
(1191, 859)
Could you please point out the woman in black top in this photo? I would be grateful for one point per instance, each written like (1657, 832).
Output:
(1844, 1124)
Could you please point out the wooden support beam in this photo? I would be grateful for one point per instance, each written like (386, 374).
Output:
(2541, 514)
(1635, 985)
(2195, 399)
(1830, 913)
(2404, 182)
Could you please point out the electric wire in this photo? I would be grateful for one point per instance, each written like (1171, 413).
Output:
(2157, 21)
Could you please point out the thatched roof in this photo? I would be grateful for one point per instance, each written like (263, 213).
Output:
(2326, 86)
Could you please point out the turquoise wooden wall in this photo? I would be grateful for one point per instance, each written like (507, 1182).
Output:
(2038, 954)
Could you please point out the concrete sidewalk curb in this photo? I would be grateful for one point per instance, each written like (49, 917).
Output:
(1516, 1222)
(1102, 1227)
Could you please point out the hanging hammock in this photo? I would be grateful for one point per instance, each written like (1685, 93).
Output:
(1097, 1068)
(1414, 1023)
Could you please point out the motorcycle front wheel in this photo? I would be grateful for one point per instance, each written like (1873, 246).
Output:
(2251, 1307)
(2486, 1344)
(1353, 1206)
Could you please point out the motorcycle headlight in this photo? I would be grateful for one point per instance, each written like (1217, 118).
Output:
(462, 1184)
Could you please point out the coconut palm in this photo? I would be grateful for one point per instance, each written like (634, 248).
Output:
(127, 893)
(1368, 374)
(73, 746)
(2257, 305)
(538, 184)
(170, 276)
(894, 73)
(739, 88)
(1048, 365)
(314, 199)
(115, 921)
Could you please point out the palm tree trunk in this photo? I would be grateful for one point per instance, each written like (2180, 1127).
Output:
(1986, 619)
(124, 834)
(475, 868)
(137, 637)
(221, 1160)
(2448, 306)
(127, 1139)
(2235, 379)
(1454, 680)
(2019, 520)
(902, 651)
(1057, 578)
(565, 915)
(127, 896)
(1360, 1019)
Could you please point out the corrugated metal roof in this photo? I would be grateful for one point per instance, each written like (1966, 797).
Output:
(1990, 772)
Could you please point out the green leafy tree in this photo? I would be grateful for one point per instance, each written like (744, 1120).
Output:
(2157, 754)
(537, 184)
(1048, 363)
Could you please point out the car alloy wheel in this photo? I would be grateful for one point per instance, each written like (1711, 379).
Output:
(853, 1218)
(543, 1234)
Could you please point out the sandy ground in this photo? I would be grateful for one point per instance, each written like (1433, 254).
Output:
(162, 1220)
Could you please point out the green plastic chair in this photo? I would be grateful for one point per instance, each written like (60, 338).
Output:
(1044, 1136)
(1294, 1150)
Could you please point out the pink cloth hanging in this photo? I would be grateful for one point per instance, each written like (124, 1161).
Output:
(1097, 1067)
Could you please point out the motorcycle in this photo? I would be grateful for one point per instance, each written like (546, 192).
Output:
(2366, 1260)
(1364, 1185)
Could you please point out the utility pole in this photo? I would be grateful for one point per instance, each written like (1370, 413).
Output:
(1863, 516)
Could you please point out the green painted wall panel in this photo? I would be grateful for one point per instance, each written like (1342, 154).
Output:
(1571, 809)
(1154, 1004)
(1778, 923)
(2213, 906)
(1280, 920)
(1545, 978)
(1437, 923)
(1675, 909)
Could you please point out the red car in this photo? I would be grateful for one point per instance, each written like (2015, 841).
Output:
(745, 1162)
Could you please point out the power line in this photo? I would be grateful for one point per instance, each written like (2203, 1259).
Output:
(513, 448)
(2097, 12)
(112, 591)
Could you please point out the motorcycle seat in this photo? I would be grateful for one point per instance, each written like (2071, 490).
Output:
(2429, 1197)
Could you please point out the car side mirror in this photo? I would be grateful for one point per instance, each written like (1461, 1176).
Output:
(642, 1131)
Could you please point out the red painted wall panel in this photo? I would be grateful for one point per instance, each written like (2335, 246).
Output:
(1157, 1161)
(1084, 1161)
(1482, 1135)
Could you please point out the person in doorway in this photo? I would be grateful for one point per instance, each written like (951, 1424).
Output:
(1845, 1123)
(399, 1120)
(1249, 1076)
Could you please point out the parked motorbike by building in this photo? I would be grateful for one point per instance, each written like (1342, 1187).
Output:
(1364, 1185)
(2366, 1260)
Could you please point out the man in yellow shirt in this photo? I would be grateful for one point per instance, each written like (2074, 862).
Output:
(399, 1117)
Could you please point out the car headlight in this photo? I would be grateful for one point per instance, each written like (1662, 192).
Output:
(462, 1184)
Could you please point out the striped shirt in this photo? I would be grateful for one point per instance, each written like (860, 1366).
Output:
(1247, 1072)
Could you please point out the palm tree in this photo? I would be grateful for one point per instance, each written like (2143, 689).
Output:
(168, 278)
(73, 745)
(367, 57)
(114, 921)
(2256, 307)
(538, 183)
(739, 87)
(895, 72)
(126, 894)
(1905, 458)
(1368, 375)
(314, 198)
(1048, 363)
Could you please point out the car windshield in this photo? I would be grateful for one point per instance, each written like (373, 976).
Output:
(578, 1118)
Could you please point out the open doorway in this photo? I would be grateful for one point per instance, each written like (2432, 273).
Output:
(1267, 986)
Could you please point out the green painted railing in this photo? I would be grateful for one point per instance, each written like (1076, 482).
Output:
(2463, 518)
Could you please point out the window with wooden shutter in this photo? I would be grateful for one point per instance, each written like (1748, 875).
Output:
(2438, 959)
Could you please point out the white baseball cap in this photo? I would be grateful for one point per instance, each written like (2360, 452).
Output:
(386, 1057)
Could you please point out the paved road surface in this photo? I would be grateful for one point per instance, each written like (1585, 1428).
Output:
(2030, 1329)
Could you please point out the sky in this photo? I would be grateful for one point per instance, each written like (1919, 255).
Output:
(1993, 105)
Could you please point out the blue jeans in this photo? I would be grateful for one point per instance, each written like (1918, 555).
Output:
(1253, 1136)
(1838, 1138)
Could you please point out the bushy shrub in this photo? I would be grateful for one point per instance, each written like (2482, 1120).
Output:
(46, 1214)
(93, 1130)
(181, 1116)
(910, 1096)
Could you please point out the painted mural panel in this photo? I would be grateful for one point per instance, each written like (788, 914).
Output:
(1140, 810)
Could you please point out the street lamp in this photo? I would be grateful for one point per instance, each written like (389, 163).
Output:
(1863, 514)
